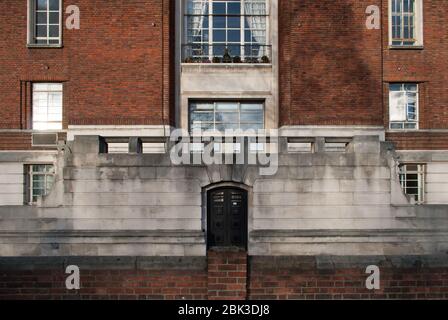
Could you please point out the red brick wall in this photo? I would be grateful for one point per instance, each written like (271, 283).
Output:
(233, 276)
(105, 284)
(115, 68)
(330, 64)
(227, 275)
(348, 284)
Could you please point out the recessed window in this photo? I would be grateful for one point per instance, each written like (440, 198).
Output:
(226, 31)
(403, 106)
(40, 180)
(406, 23)
(412, 180)
(44, 22)
(47, 106)
(226, 115)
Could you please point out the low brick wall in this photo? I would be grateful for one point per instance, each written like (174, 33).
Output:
(228, 275)
(311, 278)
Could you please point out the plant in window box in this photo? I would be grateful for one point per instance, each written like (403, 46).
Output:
(216, 60)
(226, 58)
(189, 60)
(237, 59)
(251, 60)
(265, 59)
(205, 60)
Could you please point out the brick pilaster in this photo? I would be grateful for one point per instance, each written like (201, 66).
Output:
(227, 275)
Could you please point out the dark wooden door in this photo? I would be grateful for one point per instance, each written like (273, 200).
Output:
(227, 218)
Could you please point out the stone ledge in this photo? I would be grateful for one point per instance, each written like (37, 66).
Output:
(307, 263)
(104, 263)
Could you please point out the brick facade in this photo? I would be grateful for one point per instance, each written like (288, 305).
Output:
(293, 278)
(116, 68)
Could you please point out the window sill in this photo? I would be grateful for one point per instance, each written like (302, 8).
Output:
(44, 46)
(228, 65)
(419, 47)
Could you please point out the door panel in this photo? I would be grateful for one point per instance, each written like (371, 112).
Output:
(227, 218)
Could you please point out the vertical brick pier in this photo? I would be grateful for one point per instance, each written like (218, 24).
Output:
(227, 274)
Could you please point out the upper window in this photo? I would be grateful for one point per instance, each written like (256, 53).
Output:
(44, 22)
(226, 31)
(47, 106)
(406, 22)
(403, 106)
(226, 115)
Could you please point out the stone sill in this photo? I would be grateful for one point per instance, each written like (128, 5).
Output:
(226, 66)
(42, 46)
(406, 47)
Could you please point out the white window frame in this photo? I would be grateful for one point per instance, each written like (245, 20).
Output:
(59, 122)
(31, 27)
(46, 173)
(210, 43)
(418, 25)
(417, 109)
(237, 111)
(421, 173)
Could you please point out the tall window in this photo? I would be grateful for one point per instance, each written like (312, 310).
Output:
(223, 115)
(412, 180)
(403, 106)
(40, 180)
(226, 31)
(44, 22)
(406, 22)
(47, 106)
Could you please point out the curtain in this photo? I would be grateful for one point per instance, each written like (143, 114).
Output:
(255, 12)
(198, 10)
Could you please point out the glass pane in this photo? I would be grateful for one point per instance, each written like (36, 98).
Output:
(54, 17)
(41, 5)
(41, 31)
(41, 17)
(226, 117)
(219, 8)
(224, 106)
(219, 36)
(54, 4)
(54, 31)
(233, 22)
(219, 22)
(234, 8)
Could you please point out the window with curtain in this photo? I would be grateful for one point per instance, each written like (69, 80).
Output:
(220, 30)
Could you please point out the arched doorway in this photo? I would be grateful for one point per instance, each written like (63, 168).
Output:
(227, 218)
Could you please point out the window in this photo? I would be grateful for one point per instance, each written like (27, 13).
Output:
(412, 180)
(232, 30)
(40, 180)
(44, 22)
(406, 23)
(223, 115)
(47, 106)
(403, 106)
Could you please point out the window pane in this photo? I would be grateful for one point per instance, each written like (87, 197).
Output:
(54, 4)
(41, 18)
(54, 31)
(54, 17)
(41, 31)
(41, 5)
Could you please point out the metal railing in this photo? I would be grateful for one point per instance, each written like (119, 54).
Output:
(226, 53)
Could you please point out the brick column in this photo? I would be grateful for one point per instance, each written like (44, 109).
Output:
(227, 275)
